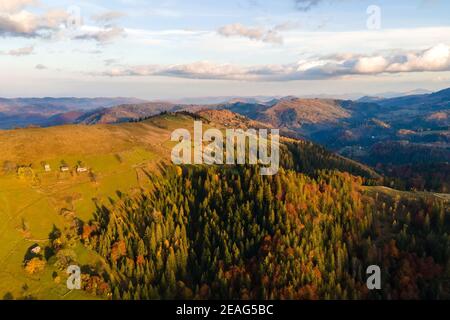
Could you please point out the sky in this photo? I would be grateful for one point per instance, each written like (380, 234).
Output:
(175, 49)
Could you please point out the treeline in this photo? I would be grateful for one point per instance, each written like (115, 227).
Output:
(433, 177)
(404, 153)
(307, 157)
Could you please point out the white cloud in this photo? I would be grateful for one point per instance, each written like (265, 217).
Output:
(252, 33)
(433, 59)
(376, 64)
(15, 21)
(103, 35)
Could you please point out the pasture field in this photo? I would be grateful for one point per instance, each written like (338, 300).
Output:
(117, 157)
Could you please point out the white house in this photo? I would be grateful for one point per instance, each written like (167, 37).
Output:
(82, 169)
(47, 168)
(36, 250)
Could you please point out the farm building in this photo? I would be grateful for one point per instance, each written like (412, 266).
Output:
(64, 169)
(82, 169)
(36, 250)
(47, 168)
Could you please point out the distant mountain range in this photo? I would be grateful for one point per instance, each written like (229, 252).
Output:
(264, 99)
(365, 129)
(409, 130)
(23, 112)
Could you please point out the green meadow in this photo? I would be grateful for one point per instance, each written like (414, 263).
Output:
(118, 159)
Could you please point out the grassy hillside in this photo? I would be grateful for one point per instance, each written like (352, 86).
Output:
(30, 204)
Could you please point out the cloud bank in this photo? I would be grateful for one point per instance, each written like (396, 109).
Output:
(434, 59)
(17, 21)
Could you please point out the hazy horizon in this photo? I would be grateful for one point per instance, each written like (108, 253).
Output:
(350, 96)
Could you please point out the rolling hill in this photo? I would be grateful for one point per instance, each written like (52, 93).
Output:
(126, 113)
(22, 112)
(33, 200)
(369, 130)
(294, 113)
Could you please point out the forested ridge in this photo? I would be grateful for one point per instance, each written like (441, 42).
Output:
(207, 233)
(430, 176)
(307, 157)
(226, 232)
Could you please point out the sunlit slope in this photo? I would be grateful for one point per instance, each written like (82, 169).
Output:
(43, 144)
(117, 157)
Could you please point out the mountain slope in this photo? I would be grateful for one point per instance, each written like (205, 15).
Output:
(292, 113)
(125, 113)
(22, 112)
(228, 233)
(63, 212)
(231, 120)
